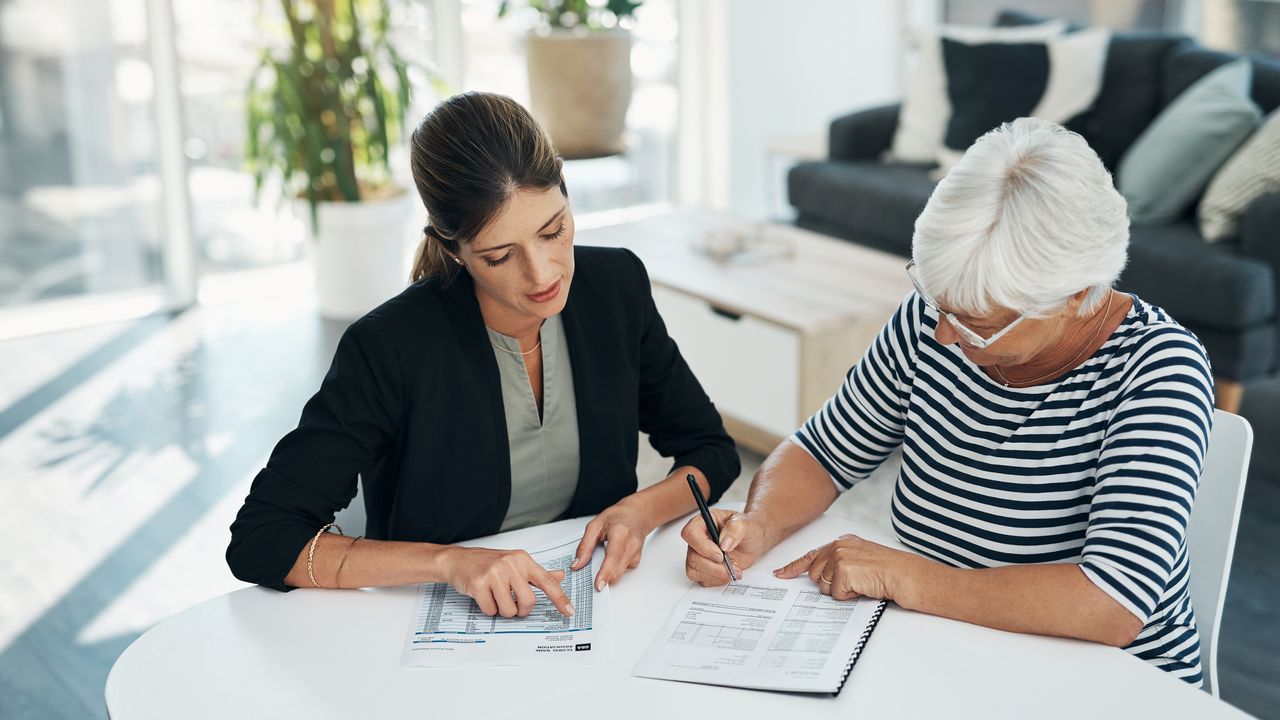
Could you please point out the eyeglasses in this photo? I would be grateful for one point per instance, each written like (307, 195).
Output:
(970, 337)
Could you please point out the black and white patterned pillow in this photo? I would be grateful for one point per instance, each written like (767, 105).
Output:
(922, 120)
(1251, 172)
(994, 83)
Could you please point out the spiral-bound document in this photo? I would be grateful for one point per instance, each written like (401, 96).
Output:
(762, 633)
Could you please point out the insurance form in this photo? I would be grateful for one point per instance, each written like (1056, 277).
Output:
(447, 628)
(761, 632)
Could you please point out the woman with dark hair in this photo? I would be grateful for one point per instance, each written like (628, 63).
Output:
(506, 387)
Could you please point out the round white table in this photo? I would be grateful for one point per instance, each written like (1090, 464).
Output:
(336, 654)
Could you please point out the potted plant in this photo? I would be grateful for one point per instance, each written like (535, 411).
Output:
(579, 65)
(324, 107)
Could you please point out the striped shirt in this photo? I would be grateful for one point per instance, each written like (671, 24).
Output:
(1098, 467)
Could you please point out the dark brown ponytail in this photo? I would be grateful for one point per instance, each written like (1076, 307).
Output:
(469, 155)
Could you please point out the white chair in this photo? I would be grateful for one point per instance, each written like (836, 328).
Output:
(1211, 533)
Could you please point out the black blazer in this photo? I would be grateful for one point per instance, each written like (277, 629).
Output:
(413, 404)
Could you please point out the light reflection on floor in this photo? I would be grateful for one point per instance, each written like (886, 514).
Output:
(118, 491)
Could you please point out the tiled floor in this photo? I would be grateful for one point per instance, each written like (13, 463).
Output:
(125, 451)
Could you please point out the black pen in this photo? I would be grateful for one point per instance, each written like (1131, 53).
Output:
(711, 523)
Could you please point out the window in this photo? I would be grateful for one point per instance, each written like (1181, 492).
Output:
(1115, 14)
(79, 182)
(1243, 26)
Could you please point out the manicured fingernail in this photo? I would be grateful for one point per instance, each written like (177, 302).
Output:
(778, 571)
(570, 609)
(729, 544)
(577, 562)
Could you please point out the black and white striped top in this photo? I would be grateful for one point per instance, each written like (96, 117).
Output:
(1099, 467)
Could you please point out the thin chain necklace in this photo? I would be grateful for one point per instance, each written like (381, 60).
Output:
(517, 353)
(514, 352)
(1105, 314)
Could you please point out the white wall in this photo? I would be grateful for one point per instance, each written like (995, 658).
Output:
(789, 68)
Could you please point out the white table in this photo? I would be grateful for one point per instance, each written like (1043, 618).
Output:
(335, 654)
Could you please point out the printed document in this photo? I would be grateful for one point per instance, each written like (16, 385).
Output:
(761, 632)
(448, 628)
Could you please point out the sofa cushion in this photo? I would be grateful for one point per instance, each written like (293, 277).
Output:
(1253, 171)
(926, 107)
(1170, 164)
(1130, 96)
(881, 199)
(1241, 354)
(1132, 87)
(1188, 63)
(992, 83)
(1198, 283)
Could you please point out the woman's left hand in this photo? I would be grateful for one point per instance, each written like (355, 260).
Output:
(623, 528)
(851, 567)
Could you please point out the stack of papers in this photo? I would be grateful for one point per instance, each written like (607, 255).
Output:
(448, 628)
(762, 633)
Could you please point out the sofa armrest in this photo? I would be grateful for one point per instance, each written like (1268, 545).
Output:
(1259, 233)
(863, 135)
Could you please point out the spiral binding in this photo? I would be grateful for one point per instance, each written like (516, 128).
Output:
(862, 641)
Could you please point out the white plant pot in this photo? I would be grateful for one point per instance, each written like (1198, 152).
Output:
(361, 253)
(580, 88)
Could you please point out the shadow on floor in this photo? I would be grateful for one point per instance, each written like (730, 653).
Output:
(214, 389)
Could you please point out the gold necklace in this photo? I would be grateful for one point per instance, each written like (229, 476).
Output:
(1070, 363)
(513, 352)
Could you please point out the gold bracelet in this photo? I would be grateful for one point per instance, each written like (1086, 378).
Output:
(311, 554)
(337, 577)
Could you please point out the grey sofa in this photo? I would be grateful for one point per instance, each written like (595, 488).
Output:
(1227, 293)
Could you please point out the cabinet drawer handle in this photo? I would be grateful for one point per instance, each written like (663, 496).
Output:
(725, 313)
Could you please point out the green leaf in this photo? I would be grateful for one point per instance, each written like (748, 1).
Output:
(310, 117)
(623, 8)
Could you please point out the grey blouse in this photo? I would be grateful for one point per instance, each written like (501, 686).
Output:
(544, 452)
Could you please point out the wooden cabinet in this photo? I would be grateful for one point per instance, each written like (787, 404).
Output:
(771, 340)
(750, 367)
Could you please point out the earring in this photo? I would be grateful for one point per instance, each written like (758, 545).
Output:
(457, 259)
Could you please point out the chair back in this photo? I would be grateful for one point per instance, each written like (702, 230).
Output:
(1211, 533)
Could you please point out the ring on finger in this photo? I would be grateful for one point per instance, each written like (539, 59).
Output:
(825, 579)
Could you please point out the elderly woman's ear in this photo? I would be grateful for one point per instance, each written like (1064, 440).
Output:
(1076, 303)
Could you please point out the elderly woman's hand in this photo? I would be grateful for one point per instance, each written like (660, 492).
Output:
(851, 567)
(743, 534)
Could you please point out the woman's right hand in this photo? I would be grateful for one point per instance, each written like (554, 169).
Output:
(502, 581)
(743, 536)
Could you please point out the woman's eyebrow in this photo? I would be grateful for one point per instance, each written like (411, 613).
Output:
(551, 219)
(507, 245)
(491, 249)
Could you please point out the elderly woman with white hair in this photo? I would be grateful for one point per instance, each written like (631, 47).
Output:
(1052, 429)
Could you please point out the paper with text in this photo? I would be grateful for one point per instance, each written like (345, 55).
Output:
(762, 633)
(447, 628)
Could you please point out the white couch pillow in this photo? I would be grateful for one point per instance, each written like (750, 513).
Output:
(922, 121)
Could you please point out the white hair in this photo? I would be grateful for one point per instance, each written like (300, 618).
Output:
(1026, 219)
